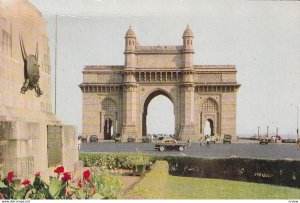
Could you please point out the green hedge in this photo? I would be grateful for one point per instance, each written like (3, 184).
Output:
(278, 172)
(152, 184)
(116, 160)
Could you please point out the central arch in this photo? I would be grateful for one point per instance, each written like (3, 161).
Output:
(146, 104)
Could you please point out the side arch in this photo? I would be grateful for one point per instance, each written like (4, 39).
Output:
(108, 118)
(210, 111)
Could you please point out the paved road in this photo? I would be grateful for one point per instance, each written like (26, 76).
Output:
(218, 150)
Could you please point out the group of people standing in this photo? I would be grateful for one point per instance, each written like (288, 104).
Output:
(206, 139)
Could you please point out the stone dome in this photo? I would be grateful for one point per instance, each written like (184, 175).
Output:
(188, 32)
(130, 33)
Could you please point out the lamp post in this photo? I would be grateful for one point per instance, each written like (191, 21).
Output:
(267, 131)
(258, 132)
(297, 124)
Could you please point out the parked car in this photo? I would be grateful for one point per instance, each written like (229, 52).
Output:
(169, 144)
(118, 138)
(146, 139)
(131, 139)
(93, 138)
(227, 139)
(212, 139)
(263, 140)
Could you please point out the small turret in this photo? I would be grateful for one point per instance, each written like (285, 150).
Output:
(130, 40)
(188, 39)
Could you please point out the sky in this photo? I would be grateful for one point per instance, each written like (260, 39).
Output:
(260, 37)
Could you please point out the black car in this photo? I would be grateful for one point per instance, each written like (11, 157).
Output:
(169, 144)
(146, 139)
(93, 138)
(131, 139)
(118, 138)
(227, 139)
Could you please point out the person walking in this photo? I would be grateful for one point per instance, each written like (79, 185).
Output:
(190, 141)
(79, 143)
(207, 141)
(201, 142)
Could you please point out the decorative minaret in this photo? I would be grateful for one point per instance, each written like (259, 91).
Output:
(187, 87)
(188, 50)
(129, 87)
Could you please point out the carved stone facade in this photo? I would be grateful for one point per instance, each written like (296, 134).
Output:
(199, 93)
(25, 120)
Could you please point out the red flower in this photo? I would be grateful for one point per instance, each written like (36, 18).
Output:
(59, 170)
(86, 175)
(79, 184)
(10, 176)
(38, 174)
(1, 196)
(26, 182)
(66, 177)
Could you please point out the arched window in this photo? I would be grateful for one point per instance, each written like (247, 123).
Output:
(209, 105)
(109, 105)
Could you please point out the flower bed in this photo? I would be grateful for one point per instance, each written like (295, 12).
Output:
(58, 188)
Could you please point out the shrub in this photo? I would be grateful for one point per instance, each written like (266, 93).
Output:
(107, 185)
(115, 160)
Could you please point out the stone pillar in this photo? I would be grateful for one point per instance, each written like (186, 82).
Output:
(187, 112)
(129, 111)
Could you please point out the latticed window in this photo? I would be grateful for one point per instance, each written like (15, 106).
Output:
(109, 105)
(209, 105)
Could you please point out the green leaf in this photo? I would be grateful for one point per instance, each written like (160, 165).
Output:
(97, 196)
(2, 185)
(54, 187)
(47, 193)
(81, 194)
(19, 194)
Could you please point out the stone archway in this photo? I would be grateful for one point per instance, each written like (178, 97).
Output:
(165, 70)
(109, 110)
(146, 104)
(210, 114)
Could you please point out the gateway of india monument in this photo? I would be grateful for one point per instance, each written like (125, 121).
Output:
(116, 98)
(31, 136)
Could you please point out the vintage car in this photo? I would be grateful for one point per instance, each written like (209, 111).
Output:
(118, 138)
(146, 139)
(131, 139)
(263, 140)
(227, 139)
(93, 138)
(169, 144)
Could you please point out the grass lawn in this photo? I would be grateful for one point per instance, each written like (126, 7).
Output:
(201, 188)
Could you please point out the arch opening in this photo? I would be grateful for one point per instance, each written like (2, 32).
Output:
(158, 116)
(109, 109)
(108, 129)
(209, 128)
